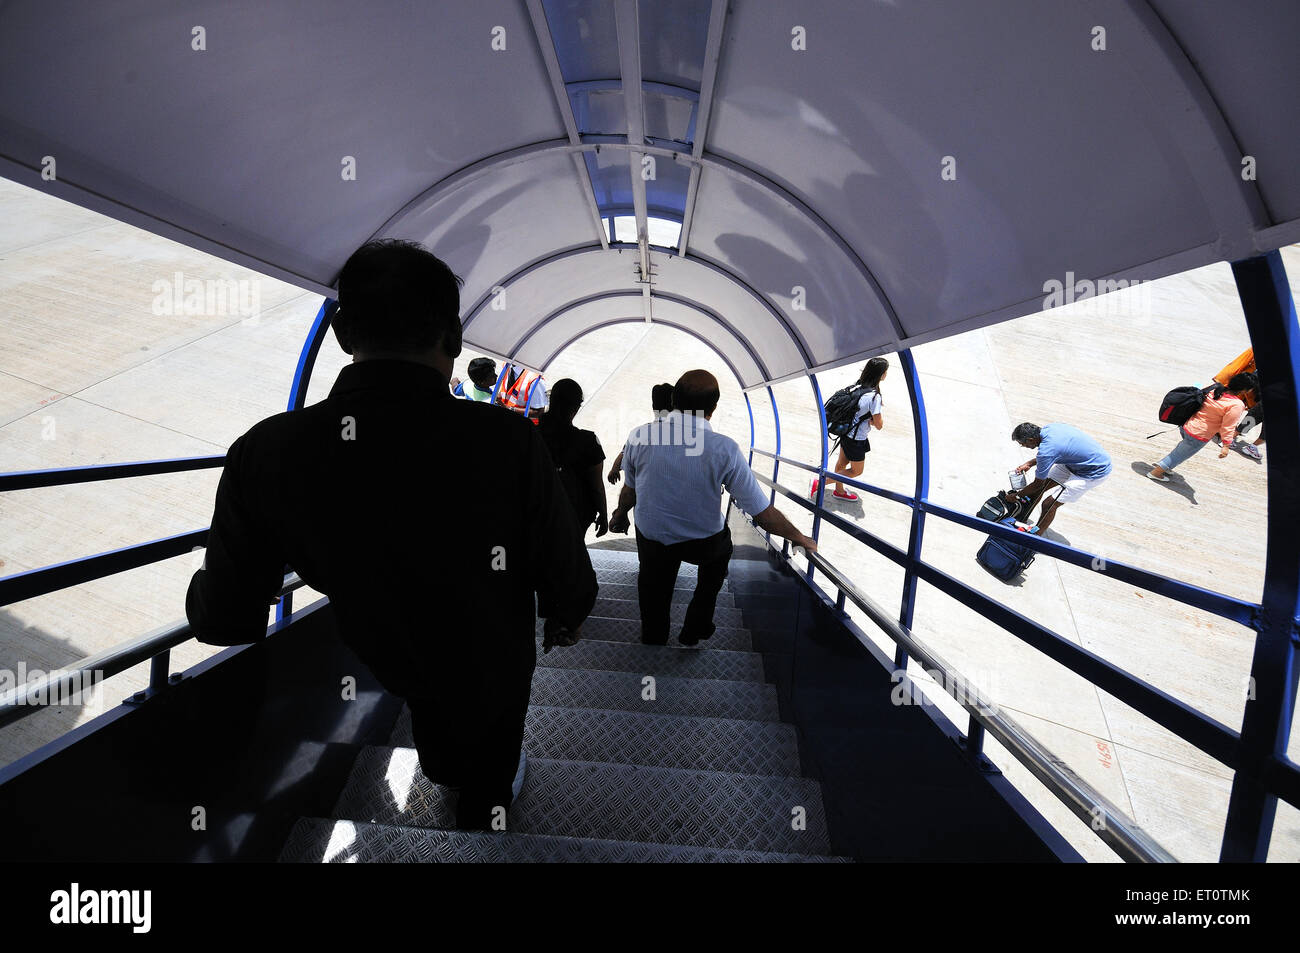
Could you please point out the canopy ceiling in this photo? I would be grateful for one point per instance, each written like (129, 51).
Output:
(586, 162)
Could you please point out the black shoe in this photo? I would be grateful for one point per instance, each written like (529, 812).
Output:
(685, 638)
(645, 641)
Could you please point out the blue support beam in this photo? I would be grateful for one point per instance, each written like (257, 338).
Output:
(776, 458)
(921, 428)
(1265, 729)
(749, 406)
(821, 471)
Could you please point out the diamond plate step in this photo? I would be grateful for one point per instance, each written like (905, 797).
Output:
(680, 596)
(317, 840)
(627, 577)
(656, 660)
(606, 802)
(663, 741)
(620, 559)
(624, 691)
(629, 630)
(630, 609)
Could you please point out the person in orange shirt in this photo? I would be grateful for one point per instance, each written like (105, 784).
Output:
(1244, 363)
(1218, 416)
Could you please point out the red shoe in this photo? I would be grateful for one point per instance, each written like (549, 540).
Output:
(843, 494)
(812, 494)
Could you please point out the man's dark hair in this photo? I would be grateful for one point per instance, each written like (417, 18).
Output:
(696, 391)
(483, 372)
(565, 399)
(661, 397)
(398, 296)
(1243, 383)
(1025, 433)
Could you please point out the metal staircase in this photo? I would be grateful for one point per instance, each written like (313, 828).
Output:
(635, 753)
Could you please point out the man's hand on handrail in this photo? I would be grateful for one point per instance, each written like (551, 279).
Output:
(775, 522)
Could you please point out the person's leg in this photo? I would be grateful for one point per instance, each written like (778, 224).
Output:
(713, 556)
(1185, 448)
(487, 794)
(1050, 506)
(654, 585)
(852, 455)
(473, 746)
(841, 466)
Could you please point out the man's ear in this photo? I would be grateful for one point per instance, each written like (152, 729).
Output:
(342, 329)
(451, 339)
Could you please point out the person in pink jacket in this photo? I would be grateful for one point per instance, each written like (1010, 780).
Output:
(1222, 411)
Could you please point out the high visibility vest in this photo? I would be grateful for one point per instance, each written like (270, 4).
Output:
(516, 397)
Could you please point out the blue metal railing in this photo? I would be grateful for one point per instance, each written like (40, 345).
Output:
(1258, 753)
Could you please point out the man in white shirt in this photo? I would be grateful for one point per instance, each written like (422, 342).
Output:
(674, 470)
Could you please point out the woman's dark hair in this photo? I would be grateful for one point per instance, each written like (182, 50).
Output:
(566, 398)
(1024, 433)
(661, 397)
(1243, 383)
(397, 296)
(873, 372)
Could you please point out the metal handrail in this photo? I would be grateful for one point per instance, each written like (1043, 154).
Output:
(16, 703)
(65, 476)
(1231, 608)
(1116, 829)
(1215, 739)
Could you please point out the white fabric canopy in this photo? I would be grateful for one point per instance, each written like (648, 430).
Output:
(800, 146)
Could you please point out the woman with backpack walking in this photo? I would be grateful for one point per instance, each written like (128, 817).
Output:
(1219, 415)
(854, 444)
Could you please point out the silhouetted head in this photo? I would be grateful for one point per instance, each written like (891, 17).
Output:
(1027, 435)
(873, 372)
(1242, 384)
(566, 398)
(696, 392)
(483, 372)
(661, 397)
(397, 299)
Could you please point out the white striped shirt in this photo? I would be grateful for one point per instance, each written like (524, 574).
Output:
(678, 467)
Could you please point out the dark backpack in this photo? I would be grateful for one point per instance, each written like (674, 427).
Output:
(842, 410)
(1182, 404)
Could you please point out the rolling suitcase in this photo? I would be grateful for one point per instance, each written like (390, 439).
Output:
(1004, 559)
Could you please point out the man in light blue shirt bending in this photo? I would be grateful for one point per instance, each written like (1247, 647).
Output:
(674, 470)
(1067, 457)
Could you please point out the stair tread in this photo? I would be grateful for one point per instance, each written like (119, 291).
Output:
(605, 629)
(656, 660)
(666, 741)
(324, 840)
(607, 801)
(681, 595)
(630, 609)
(625, 691)
(627, 576)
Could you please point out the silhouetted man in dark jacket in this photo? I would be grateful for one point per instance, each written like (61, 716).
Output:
(364, 494)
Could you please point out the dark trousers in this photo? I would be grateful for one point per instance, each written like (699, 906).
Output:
(476, 751)
(658, 575)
